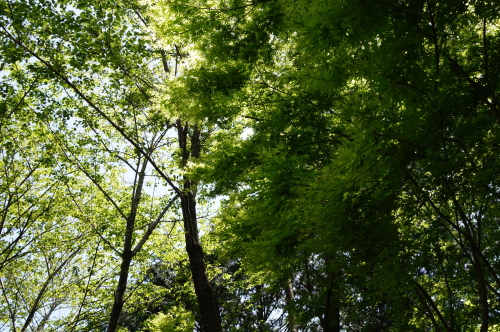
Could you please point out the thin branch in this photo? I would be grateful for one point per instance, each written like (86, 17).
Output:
(93, 226)
(478, 88)
(433, 304)
(101, 189)
(11, 314)
(74, 319)
(153, 225)
(428, 309)
(32, 85)
(229, 9)
(93, 106)
(35, 306)
(460, 231)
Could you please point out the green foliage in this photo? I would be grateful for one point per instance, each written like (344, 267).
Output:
(352, 145)
(370, 153)
(178, 320)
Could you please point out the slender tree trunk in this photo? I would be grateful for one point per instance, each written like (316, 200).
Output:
(127, 254)
(474, 245)
(210, 317)
(427, 307)
(289, 302)
(483, 292)
(209, 309)
(36, 305)
(260, 309)
(332, 309)
(431, 307)
(120, 291)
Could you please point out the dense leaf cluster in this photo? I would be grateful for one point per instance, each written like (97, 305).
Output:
(371, 155)
(336, 159)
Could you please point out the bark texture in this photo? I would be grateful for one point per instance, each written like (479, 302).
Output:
(332, 309)
(209, 309)
(290, 296)
(127, 253)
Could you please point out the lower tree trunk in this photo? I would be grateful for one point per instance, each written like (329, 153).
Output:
(127, 253)
(332, 309)
(209, 309)
(483, 293)
(120, 292)
(289, 302)
(260, 309)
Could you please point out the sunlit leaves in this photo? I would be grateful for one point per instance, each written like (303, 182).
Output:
(371, 143)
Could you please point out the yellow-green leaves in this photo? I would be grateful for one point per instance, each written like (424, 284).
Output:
(176, 320)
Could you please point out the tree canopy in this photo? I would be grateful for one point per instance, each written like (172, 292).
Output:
(267, 165)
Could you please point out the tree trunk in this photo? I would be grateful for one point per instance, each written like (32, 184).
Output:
(209, 309)
(332, 309)
(120, 291)
(210, 317)
(260, 309)
(127, 253)
(289, 302)
(483, 292)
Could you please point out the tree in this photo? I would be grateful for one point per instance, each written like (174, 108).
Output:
(361, 151)
(71, 45)
(353, 144)
(35, 277)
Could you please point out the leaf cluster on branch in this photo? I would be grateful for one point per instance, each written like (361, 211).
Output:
(244, 165)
